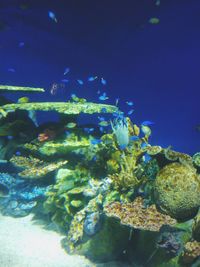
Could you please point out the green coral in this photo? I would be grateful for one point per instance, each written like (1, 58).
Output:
(20, 88)
(62, 107)
(67, 196)
(52, 148)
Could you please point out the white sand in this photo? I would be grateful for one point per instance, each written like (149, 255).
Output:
(26, 244)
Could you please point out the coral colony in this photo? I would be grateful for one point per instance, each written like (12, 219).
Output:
(105, 186)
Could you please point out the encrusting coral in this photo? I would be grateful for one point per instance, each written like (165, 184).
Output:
(61, 107)
(35, 168)
(135, 215)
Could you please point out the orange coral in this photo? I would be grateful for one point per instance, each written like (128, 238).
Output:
(134, 214)
(46, 135)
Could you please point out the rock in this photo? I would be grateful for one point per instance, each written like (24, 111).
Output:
(107, 244)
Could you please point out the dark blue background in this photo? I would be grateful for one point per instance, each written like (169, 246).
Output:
(155, 66)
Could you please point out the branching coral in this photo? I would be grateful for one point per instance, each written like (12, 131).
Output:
(126, 178)
(128, 161)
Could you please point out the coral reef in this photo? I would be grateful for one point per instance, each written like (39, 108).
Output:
(20, 196)
(35, 168)
(53, 148)
(104, 185)
(177, 191)
(135, 215)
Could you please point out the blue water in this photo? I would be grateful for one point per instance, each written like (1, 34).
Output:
(155, 66)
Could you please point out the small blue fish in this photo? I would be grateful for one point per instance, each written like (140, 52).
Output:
(143, 145)
(103, 97)
(146, 157)
(67, 133)
(21, 44)
(95, 141)
(101, 118)
(130, 112)
(66, 71)
(80, 82)
(146, 123)
(103, 110)
(116, 101)
(98, 92)
(18, 153)
(129, 103)
(122, 147)
(64, 81)
(73, 96)
(119, 115)
(94, 158)
(92, 78)
(101, 129)
(11, 69)
(88, 130)
(133, 138)
(103, 81)
(52, 16)
(10, 137)
(157, 2)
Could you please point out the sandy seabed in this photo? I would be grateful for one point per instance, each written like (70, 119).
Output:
(23, 243)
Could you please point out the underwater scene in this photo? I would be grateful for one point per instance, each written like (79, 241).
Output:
(99, 133)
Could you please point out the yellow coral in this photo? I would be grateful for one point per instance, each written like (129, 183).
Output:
(191, 252)
(34, 167)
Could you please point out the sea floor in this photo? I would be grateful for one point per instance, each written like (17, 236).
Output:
(23, 243)
(26, 243)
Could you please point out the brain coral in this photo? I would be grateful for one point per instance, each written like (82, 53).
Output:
(177, 191)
